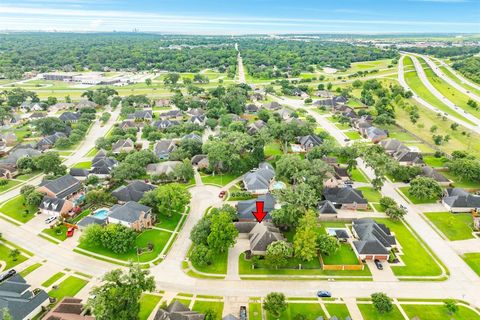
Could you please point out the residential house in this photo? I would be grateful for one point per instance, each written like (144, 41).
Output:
(163, 148)
(458, 200)
(346, 198)
(258, 181)
(7, 173)
(200, 161)
(141, 115)
(246, 207)
(192, 136)
(251, 108)
(133, 215)
(255, 127)
(164, 124)
(171, 114)
(162, 103)
(30, 106)
(373, 134)
(68, 309)
(201, 120)
(272, 106)
(49, 141)
(37, 115)
(102, 165)
(62, 106)
(78, 173)
(10, 162)
(55, 207)
(85, 104)
(326, 207)
(260, 235)
(177, 311)
(392, 146)
(309, 142)
(162, 168)
(374, 240)
(195, 112)
(21, 302)
(10, 138)
(70, 117)
(324, 94)
(65, 187)
(284, 113)
(127, 124)
(123, 145)
(435, 175)
(134, 191)
(408, 158)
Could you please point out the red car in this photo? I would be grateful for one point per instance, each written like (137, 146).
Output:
(221, 194)
(70, 232)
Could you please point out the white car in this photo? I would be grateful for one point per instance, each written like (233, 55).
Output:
(50, 219)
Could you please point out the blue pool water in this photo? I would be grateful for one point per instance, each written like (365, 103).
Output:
(101, 214)
(279, 185)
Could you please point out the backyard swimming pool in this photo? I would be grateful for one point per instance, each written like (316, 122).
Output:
(101, 213)
(279, 185)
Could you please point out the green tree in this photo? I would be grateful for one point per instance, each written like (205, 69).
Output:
(382, 302)
(118, 298)
(223, 233)
(451, 307)
(148, 82)
(34, 198)
(425, 188)
(327, 245)
(201, 255)
(14, 253)
(99, 197)
(304, 244)
(275, 304)
(50, 125)
(171, 78)
(278, 253)
(395, 213)
(167, 199)
(184, 170)
(287, 216)
(50, 162)
(6, 314)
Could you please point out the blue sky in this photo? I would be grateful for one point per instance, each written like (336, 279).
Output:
(243, 16)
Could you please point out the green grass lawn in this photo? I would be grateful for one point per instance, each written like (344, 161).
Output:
(457, 80)
(156, 237)
(370, 194)
(52, 279)
(455, 226)
(344, 255)
(218, 266)
(416, 258)
(254, 311)
(459, 183)
(68, 287)
(16, 209)
(473, 260)
(272, 149)
(370, 313)
(433, 161)
(358, 175)
(310, 310)
(30, 269)
(83, 165)
(203, 306)
(148, 302)
(80, 216)
(4, 256)
(10, 184)
(435, 312)
(219, 179)
(169, 223)
(52, 232)
(25, 177)
(353, 135)
(339, 310)
(413, 199)
(236, 188)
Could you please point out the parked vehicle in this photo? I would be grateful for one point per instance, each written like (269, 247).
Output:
(346, 139)
(50, 219)
(70, 232)
(243, 313)
(378, 264)
(324, 294)
(221, 194)
(10, 273)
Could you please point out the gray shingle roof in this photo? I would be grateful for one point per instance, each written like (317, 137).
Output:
(64, 186)
(177, 311)
(69, 116)
(434, 174)
(163, 124)
(259, 179)
(459, 198)
(52, 204)
(326, 207)
(345, 195)
(262, 235)
(164, 147)
(129, 212)
(374, 238)
(246, 207)
(133, 191)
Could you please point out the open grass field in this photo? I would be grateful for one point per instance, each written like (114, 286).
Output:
(433, 161)
(310, 310)
(473, 260)
(454, 78)
(68, 287)
(148, 302)
(456, 226)
(16, 209)
(203, 306)
(436, 311)
(156, 237)
(413, 199)
(418, 261)
(9, 261)
(218, 179)
(457, 182)
(370, 313)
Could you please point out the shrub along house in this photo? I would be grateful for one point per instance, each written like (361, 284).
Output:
(132, 215)
(374, 240)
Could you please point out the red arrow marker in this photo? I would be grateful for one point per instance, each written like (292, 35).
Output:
(259, 214)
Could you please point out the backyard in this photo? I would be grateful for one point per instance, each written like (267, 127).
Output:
(455, 226)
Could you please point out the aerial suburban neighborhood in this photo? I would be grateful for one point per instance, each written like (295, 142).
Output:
(259, 175)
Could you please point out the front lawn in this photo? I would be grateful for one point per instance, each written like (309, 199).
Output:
(157, 237)
(59, 233)
(455, 226)
(358, 175)
(30, 269)
(83, 165)
(353, 135)
(203, 306)
(27, 176)
(169, 223)
(47, 283)
(148, 302)
(218, 266)
(310, 310)
(10, 184)
(417, 260)
(218, 179)
(370, 194)
(68, 288)
(5, 256)
(16, 209)
(338, 310)
(413, 199)
(438, 311)
(254, 311)
(344, 256)
(370, 313)
(473, 260)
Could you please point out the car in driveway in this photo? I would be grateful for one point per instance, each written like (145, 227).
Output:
(378, 264)
(50, 219)
(324, 294)
(243, 313)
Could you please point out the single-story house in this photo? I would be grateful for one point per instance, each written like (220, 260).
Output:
(123, 145)
(10, 138)
(246, 207)
(326, 207)
(164, 124)
(89, 220)
(308, 142)
(200, 120)
(459, 200)
(260, 235)
(127, 124)
(78, 173)
(55, 207)
(258, 181)
(200, 161)
(162, 103)
(374, 240)
(284, 113)
(251, 108)
(196, 112)
(85, 104)
(27, 106)
(70, 117)
(171, 114)
(408, 158)
(346, 198)
(373, 134)
(133, 215)
(21, 302)
(435, 175)
(163, 148)
(141, 115)
(49, 141)
(255, 127)
(37, 115)
(192, 136)
(162, 168)
(132, 192)
(102, 165)
(392, 146)
(274, 105)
